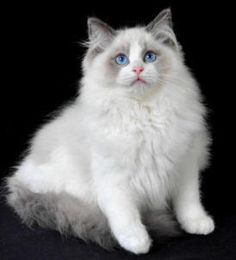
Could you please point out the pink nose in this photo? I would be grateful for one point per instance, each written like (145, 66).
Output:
(138, 70)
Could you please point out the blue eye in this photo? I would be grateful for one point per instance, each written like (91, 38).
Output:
(122, 59)
(150, 57)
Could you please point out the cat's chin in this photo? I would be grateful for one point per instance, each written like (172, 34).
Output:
(139, 89)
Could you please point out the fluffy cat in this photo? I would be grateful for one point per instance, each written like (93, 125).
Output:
(122, 161)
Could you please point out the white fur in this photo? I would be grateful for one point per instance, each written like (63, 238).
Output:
(127, 149)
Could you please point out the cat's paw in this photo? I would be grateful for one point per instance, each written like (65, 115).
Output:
(201, 225)
(137, 243)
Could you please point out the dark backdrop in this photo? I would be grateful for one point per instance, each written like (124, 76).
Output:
(42, 69)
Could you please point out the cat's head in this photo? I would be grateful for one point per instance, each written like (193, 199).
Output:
(134, 59)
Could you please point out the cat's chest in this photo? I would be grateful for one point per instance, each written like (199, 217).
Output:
(141, 133)
(142, 123)
(136, 120)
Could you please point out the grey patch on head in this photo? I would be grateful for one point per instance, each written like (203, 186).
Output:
(61, 212)
(112, 68)
(162, 224)
(162, 29)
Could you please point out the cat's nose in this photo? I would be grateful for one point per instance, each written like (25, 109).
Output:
(138, 70)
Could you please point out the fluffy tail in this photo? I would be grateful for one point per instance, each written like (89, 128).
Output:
(61, 212)
(162, 225)
(70, 216)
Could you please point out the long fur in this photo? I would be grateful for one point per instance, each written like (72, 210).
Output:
(122, 161)
(71, 216)
(62, 212)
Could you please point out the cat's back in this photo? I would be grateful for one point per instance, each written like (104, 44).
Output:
(62, 131)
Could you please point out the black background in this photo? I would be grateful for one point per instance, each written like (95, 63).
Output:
(42, 56)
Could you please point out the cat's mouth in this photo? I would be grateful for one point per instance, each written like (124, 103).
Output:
(138, 81)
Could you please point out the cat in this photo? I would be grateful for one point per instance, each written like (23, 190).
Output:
(123, 161)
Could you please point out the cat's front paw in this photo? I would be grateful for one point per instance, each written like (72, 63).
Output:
(201, 225)
(137, 243)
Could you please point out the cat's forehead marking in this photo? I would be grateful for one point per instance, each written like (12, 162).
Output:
(133, 35)
(132, 42)
(135, 51)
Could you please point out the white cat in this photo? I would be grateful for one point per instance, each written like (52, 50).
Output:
(114, 165)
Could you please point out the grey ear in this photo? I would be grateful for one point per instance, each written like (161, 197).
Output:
(100, 34)
(162, 28)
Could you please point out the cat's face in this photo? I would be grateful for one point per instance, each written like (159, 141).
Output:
(134, 59)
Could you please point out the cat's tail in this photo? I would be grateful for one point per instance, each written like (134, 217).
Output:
(71, 216)
(162, 224)
(61, 212)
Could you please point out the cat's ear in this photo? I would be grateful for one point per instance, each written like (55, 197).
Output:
(162, 29)
(100, 34)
